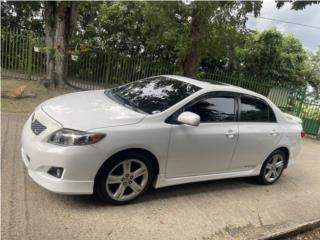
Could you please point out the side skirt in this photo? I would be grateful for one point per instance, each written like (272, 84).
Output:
(162, 181)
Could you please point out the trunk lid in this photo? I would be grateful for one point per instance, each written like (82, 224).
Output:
(292, 119)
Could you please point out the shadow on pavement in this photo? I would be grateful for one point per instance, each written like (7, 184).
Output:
(161, 194)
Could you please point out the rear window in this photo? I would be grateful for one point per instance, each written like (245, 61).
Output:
(254, 110)
(154, 95)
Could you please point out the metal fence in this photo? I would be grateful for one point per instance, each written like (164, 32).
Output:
(310, 115)
(23, 55)
(94, 70)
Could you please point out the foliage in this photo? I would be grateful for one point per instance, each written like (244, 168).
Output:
(192, 30)
(297, 5)
(271, 55)
(117, 26)
(161, 29)
(211, 35)
(22, 15)
(313, 73)
(310, 111)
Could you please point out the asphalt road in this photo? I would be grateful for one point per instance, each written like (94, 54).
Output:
(228, 209)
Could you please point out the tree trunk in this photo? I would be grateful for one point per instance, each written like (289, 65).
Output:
(190, 63)
(61, 38)
(49, 27)
(59, 23)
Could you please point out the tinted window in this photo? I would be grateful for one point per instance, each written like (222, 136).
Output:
(272, 117)
(153, 95)
(215, 109)
(253, 110)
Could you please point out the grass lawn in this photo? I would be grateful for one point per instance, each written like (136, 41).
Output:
(34, 95)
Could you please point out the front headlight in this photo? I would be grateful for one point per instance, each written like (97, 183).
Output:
(69, 137)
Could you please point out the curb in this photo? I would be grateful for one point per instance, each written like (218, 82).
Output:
(293, 231)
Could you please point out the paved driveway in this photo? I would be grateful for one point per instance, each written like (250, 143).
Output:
(228, 209)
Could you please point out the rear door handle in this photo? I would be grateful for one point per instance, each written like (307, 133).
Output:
(274, 133)
(230, 133)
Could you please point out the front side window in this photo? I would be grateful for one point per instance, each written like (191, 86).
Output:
(215, 109)
(254, 110)
(153, 95)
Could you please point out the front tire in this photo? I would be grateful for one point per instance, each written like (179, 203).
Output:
(272, 168)
(124, 178)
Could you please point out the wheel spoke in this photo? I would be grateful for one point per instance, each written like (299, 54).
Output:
(112, 179)
(126, 167)
(120, 191)
(135, 187)
(268, 175)
(279, 164)
(139, 172)
(269, 166)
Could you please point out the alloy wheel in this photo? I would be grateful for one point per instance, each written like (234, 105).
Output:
(274, 167)
(127, 180)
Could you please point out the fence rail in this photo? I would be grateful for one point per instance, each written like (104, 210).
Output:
(23, 55)
(310, 115)
(19, 55)
(99, 70)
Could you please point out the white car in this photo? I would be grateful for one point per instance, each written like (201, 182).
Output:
(161, 131)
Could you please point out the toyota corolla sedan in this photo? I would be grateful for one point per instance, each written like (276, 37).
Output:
(160, 131)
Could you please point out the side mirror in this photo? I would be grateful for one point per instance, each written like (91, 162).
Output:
(189, 118)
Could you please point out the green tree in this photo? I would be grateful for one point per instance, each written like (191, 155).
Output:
(22, 15)
(122, 27)
(297, 5)
(191, 26)
(198, 36)
(313, 73)
(269, 55)
(173, 32)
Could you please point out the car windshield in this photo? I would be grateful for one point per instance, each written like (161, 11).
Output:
(152, 95)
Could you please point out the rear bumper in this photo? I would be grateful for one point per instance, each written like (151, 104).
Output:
(294, 151)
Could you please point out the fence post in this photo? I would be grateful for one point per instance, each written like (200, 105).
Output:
(303, 97)
(107, 80)
(239, 81)
(29, 60)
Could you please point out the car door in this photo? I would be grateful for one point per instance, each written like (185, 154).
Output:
(259, 133)
(207, 148)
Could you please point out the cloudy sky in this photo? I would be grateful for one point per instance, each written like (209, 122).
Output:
(310, 37)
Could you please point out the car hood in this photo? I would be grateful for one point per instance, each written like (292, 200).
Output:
(89, 110)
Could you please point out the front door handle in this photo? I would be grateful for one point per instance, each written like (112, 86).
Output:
(230, 133)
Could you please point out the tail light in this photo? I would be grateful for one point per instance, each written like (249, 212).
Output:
(302, 134)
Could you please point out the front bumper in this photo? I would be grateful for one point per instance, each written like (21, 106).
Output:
(80, 163)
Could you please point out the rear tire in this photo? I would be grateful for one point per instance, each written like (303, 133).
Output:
(124, 178)
(272, 168)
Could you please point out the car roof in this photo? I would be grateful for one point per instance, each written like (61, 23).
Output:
(214, 86)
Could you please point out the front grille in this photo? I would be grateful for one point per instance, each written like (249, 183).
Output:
(37, 127)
